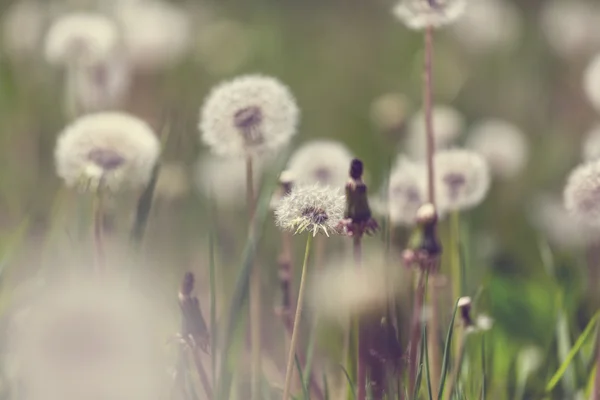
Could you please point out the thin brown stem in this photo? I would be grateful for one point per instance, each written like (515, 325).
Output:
(255, 300)
(415, 332)
(99, 251)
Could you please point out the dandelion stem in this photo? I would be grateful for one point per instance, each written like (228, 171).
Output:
(299, 303)
(361, 368)
(455, 254)
(433, 346)
(415, 334)
(457, 365)
(596, 392)
(99, 252)
(255, 279)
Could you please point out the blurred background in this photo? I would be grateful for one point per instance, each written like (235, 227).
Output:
(356, 74)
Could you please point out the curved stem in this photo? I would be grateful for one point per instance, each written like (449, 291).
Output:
(299, 306)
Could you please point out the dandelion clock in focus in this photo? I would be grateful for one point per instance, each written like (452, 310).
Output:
(248, 116)
(86, 341)
(106, 151)
(420, 14)
(320, 161)
(448, 125)
(502, 144)
(462, 179)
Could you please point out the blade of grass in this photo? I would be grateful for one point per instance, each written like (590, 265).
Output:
(325, 387)
(142, 213)
(305, 392)
(574, 350)
(415, 394)
(447, 347)
(483, 388)
(426, 357)
(349, 380)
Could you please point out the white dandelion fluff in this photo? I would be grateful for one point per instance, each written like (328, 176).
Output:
(86, 341)
(106, 150)
(419, 14)
(582, 193)
(321, 161)
(156, 33)
(502, 144)
(571, 27)
(23, 26)
(591, 82)
(448, 125)
(81, 37)
(407, 191)
(312, 209)
(462, 179)
(223, 179)
(488, 25)
(590, 148)
(248, 115)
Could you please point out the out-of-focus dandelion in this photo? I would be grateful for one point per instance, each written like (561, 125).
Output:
(320, 161)
(488, 25)
(590, 148)
(462, 179)
(591, 81)
(419, 14)
(550, 217)
(173, 182)
(80, 38)
(106, 151)
(248, 116)
(86, 340)
(502, 144)
(156, 33)
(389, 112)
(448, 125)
(582, 193)
(310, 209)
(571, 27)
(407, 191)
(223, 179)
(314, 209)
(23, 26)
(223, 46)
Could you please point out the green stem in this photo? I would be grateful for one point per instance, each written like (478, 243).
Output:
(299, 305)
(457, 365)
(455, 266)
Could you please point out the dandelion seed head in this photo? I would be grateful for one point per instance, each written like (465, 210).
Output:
(108, 150)
(248, 115)
(464, 302)
(407, 191)
(582, 193)
(448, 125)
(80, 38)
(321, 161)
(591, 81)
(462, 179)
(419, 14)
(502, 144)
(86, 340)
(314, 209)
(590, 148)
(156, 33)
(23, 26)
(488, 25)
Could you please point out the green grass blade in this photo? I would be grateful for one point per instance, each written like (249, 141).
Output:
(325, 387)
(426, 356)
(305, 392)
(419, 378)
(589, 329)
(349, 380)
(446, 358)
(484, 375)
(142, 213)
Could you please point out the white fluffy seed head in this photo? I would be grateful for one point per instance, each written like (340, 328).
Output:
(86, 341)
(325, 162)
(502, 144)
(223, 179)
(249, 115)
(407, 191)
(419, 14)
(80, 38)
(109, 150)
(582, 193)
(590, 148)
(462, 179)
(23, 26)
(448, 125)
(488, 25)
(571, 28)
(312, 209)
(156, 33)
(591, 82)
